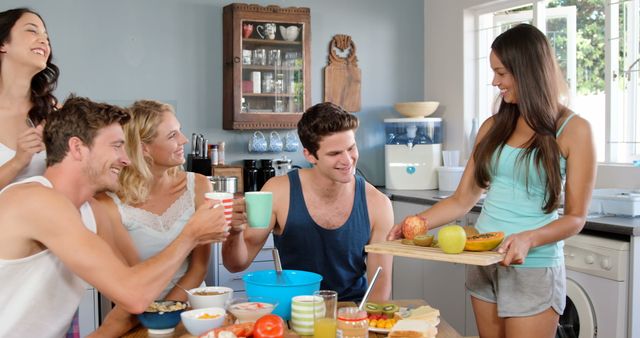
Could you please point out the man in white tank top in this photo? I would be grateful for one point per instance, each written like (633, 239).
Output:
(44, 247)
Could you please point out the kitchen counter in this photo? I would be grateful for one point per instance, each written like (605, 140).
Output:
(602, 225)
(444, 329)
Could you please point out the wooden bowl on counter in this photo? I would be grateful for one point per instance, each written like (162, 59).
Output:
(417, 109)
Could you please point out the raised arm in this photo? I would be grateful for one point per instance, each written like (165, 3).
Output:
(84, 253)
(460, 202)
(244, 243)
(200, 256)
(111, 229)
(29, 143)
(381, 217)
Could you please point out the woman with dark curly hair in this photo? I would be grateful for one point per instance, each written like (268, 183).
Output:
(27, 80)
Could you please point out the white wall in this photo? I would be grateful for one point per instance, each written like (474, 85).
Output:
(445, 81)
(444, 67)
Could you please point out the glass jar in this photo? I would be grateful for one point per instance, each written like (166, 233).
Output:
(352, 323)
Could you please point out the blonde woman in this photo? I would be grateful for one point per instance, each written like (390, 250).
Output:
(155, 200)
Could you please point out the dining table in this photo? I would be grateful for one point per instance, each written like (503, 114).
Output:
(444, 329)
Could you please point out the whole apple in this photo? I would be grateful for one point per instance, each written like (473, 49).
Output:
(452, 239)
(413, 226)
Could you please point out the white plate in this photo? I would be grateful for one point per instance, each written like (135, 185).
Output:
(379, 330)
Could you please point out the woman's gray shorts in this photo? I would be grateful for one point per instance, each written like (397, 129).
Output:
(518, 292)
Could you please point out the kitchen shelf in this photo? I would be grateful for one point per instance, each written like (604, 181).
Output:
(250, 42)
(267, 95)
(267, 62)
(271, 68)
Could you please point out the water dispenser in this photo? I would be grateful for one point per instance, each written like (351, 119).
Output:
(412, 152)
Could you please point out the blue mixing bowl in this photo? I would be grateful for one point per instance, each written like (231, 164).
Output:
(290, 284)
(162, 321)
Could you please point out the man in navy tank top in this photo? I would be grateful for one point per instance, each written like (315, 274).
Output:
(325, 215)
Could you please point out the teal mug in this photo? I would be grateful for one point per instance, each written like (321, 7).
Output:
(259, 205)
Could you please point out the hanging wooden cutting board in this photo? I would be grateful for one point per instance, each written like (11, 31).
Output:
(342, 77)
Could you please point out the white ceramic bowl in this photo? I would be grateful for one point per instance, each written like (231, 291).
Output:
(197, 323)
(216, 296)
(250, 309)
(417, 109)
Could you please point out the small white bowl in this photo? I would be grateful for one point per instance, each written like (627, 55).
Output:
(196, 325)
(219, 295)
(417, 109)
(250, 309)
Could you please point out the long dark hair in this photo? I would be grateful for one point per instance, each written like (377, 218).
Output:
(527, 55)
(42, 84)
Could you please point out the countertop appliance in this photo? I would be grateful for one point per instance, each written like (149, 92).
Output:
(597, 288)
(412, 152)
(617, 202)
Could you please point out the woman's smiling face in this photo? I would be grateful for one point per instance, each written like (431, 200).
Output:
(503, 79)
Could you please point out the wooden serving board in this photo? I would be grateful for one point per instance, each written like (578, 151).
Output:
(342, 77)
(396, 248)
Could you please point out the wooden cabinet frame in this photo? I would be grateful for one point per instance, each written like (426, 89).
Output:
(234, 15)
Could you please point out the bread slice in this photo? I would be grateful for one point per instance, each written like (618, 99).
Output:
(411, 328)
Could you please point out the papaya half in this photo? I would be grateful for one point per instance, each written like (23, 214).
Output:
(484, 242)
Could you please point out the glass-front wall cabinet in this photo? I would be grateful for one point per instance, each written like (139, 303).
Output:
(266, 66)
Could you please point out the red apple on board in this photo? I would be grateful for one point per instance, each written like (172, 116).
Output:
(413, 226)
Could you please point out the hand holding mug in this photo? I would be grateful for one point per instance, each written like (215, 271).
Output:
(225, 199)
(208, 224)
(239, 218)
(259, 207)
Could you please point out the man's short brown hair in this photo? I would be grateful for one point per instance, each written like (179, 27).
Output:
(322, 120)
(79, 117)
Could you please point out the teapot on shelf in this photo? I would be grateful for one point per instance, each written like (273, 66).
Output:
(267, 31)
(289, 33)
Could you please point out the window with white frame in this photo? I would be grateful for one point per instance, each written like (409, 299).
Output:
(597, 44)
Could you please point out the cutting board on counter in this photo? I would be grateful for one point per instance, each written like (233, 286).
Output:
(396, 248)
(342, 77)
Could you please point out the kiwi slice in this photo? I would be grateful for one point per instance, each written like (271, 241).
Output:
(390, 309)
(423, 240)
(373, 308)
(407, 241)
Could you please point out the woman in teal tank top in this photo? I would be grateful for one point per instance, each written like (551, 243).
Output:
(521, 158)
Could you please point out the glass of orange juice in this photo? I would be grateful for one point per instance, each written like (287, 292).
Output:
(324, 317)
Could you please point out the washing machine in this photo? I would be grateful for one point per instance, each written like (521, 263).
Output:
(597, 288)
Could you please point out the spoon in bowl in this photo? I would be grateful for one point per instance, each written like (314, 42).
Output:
(183, 289)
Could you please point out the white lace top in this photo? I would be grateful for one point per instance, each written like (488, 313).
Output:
(151, 233)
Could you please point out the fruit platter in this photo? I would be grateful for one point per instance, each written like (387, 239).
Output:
(453, 243)
(382, 317)
(386, 317)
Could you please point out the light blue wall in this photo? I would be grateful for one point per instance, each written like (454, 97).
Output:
(171, 50)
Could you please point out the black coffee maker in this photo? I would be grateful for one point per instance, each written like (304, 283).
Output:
(266, 172)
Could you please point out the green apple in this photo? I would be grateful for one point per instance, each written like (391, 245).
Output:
(452, 239)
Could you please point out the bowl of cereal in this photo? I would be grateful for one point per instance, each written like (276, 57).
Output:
(162, 316)
(209, 296)
(200, 321)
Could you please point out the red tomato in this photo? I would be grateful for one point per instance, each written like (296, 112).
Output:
(269, 326)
